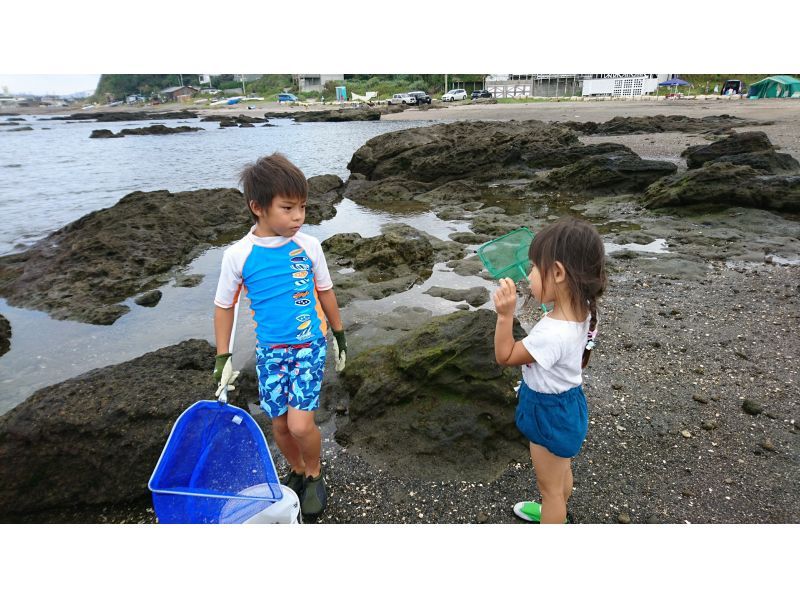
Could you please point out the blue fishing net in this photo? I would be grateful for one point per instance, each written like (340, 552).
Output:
(215, 468)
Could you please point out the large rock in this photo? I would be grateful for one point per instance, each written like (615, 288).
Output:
(151, 130)
(324, 192)
(338, 115)
(392, 262)
(83, 271)
(659, 123)
(95, 439)
(623, 172)
(5, 335)
(126, 116)
(435, 404)
(475, 296)
(723, 185)
(752, 148)
(477, 150)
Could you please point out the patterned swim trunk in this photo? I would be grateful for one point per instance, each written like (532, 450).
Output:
(290, 375)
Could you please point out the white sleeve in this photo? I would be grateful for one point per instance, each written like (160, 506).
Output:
(544, 346)
(230, 280)
(322, 277)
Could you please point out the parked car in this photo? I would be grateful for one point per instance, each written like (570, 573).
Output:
(401, 98)
(287, 97)
(455, 94)
(421, 97)
(481, 93)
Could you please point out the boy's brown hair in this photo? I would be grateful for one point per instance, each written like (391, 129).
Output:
(270, 176)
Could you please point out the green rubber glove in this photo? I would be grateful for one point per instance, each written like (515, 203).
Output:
(223, 373)
(339, 349)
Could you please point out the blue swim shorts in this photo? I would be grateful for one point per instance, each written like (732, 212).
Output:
(290, 375)
(558, 422)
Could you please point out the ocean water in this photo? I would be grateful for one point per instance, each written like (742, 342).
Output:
(55, 174)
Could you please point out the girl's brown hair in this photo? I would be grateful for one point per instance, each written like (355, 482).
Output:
(578, 246)
(269, 177)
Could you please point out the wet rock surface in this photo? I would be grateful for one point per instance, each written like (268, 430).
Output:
(151, 130)
(85, 270)
(95, 439)
(5, 335)
(626, 125)
(324, 192)
(378, 266)
(752, 148)
(338, 115)
(475, 296)
(434, 403)
(126, 116)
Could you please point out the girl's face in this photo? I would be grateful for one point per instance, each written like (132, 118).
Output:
(543, 291)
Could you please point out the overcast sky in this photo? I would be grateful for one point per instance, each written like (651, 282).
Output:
(48, 84)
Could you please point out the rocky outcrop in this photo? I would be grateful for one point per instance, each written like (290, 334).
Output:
(338, 115)
(620, 172)
(476, 296)
(238, 119)
(434, 404)
(95, 439)
(151, 130)
(752, 148)
(627, 125)
(5, 335)
(461, 150)
(324, 192)
(83, 271)
(103, 117)
(392, 262)
(723, 184)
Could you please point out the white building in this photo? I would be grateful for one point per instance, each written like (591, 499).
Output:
(621, 85)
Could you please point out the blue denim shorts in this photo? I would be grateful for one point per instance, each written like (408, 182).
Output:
(290, 376)
(558, 422)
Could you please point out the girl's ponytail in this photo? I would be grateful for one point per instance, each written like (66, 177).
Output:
(587, 352)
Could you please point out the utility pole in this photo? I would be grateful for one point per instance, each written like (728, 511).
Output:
(445, 84)
(243, 92)
(181, 78)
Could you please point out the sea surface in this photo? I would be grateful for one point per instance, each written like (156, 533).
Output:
(54, 174)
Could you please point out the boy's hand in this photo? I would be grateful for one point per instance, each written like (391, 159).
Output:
(339, 349)
(223, 373)
(505, 298)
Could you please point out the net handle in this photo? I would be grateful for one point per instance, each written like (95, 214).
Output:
(525, 274)
(223, 396)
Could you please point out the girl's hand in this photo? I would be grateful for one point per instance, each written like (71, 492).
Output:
(505, 298)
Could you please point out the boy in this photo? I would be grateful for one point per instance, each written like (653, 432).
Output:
(291, 295)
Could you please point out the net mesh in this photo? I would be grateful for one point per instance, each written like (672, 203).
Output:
(215, 468)
(507, 256)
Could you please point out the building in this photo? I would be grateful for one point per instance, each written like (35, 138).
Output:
(315, 82)
(621, 85)
(576, 84)
(179, 93)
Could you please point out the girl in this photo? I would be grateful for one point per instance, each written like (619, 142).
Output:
(568, 270)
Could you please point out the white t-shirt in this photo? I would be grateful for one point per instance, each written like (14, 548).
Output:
(557, 346)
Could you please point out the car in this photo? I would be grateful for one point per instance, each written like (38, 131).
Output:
(421, 97)
(287, 97)
(481, 93)
(455, 94)
(401, 98)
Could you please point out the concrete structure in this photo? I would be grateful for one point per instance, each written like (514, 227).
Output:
(315, 82)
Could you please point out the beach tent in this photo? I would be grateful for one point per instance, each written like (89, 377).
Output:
(674, 83)
(778, 86)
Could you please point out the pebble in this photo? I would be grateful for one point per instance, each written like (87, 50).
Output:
(624, 518)
(700, 399)
(709, 424)
(686, 433)
(751, 407)
(482, 517)
(766, 444)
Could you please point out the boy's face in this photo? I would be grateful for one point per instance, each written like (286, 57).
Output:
(283, 217)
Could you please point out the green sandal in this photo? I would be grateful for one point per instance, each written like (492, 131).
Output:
(532, 511)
